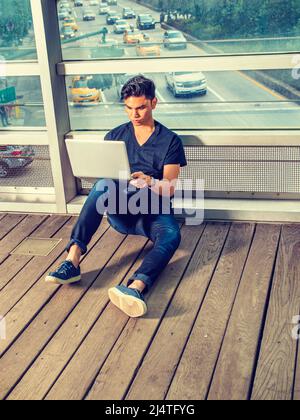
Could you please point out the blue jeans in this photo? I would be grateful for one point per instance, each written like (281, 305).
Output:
(162, 229)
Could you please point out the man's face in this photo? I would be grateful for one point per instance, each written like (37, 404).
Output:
(140, 110)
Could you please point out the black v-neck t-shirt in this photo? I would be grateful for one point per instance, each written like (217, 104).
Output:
(164, 147)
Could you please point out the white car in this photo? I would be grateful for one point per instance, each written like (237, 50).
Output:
(186, 83)
(121, 26)
(104, 9)
(174, 40)
(93, 3)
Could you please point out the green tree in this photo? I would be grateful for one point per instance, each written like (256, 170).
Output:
(15, 19)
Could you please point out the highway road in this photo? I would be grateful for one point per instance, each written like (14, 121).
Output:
(234, 99)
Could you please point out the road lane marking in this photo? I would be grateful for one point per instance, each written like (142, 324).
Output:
(260, 85)
(160, 97)
(217, 95)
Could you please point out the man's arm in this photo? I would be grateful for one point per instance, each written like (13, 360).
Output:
(166, 187)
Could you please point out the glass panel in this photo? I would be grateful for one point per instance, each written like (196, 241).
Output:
(21, 102)
(17, 40)
(210, 100)
(177, 28)
(25, 166)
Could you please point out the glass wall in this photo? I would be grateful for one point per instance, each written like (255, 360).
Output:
(21, 102)
(189, 100)
(17, 41)
(174, 28)
(25, 166)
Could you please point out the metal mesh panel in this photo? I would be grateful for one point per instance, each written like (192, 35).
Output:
(245, 169)
(269, 170)
(25, 166)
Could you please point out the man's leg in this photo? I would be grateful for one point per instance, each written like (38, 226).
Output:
(88, 223)
(164, 231)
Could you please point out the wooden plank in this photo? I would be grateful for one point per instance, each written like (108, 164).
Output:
(274, 378)
(24, 228)
(80, 373)
(219, 268)
(3, 258)
(50, 318)
(137, 326)
(233, 374)
(40, 377)
(116, 373)
(2, 215)
(29, 306)
(9, 222)
(193, 376)
(15, 263)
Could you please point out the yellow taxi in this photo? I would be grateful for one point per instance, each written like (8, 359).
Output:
(82, 93)
(148, 49)
(70, 21)
(133, 38)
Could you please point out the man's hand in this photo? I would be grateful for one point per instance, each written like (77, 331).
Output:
(140, 180)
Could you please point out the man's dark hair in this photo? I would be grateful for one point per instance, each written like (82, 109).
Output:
(138, 86)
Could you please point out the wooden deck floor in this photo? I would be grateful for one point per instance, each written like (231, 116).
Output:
(219, 326)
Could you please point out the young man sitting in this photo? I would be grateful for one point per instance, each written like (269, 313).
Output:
(156, 155)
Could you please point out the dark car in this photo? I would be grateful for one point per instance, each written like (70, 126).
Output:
(14, 158)
(78, 3)
(128, 13)
(112, 17)
(63, 14)
(88, 15)
(145, 22)
(67, 32)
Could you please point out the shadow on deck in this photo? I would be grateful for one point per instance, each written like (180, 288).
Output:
(222, 321)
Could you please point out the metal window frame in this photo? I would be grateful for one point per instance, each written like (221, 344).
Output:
(274, 61)
(200, 138)
(16, 68)
(46, 25)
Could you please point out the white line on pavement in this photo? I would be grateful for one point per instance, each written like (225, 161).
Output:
(217, 95)
(160, 97)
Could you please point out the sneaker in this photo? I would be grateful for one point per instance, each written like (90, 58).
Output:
(130, 301)
(66, 273)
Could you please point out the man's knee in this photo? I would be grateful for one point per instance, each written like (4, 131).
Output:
(172, 238)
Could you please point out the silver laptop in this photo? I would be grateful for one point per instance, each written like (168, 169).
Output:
(95, 158)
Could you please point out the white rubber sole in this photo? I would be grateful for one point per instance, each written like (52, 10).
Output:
(131, 306)
(54, 280)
